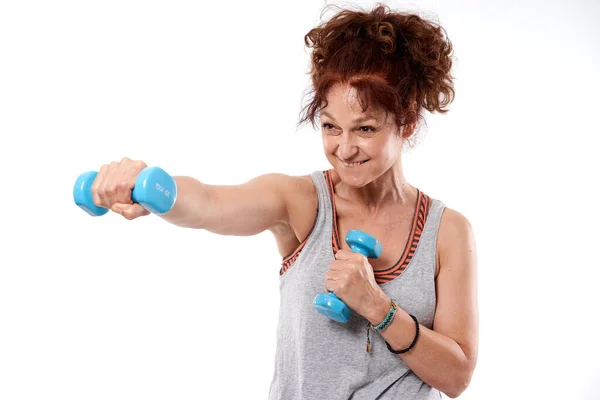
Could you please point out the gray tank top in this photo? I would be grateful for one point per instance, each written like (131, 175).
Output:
(319, 359)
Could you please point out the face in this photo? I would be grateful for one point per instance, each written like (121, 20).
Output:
(361, 146)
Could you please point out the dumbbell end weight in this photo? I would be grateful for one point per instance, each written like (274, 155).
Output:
(363, 243)
(332, 307)
(82, 194)
(155, 190)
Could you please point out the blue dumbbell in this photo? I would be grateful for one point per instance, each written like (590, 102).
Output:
(154, 189)
(329, 304)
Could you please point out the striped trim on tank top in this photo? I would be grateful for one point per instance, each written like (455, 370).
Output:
(381, 276)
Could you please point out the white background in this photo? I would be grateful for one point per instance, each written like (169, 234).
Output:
(103, 308)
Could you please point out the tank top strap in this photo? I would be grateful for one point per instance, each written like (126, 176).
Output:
(321, 225)
(325, 210)
(432, 224)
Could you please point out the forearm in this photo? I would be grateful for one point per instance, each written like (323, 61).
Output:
(437, 359)
(192, 205)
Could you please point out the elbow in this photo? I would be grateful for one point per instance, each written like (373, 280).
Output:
(460, 381)
(457, 389)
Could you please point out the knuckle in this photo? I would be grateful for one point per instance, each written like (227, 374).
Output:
(123, 185)
(100, 190)
(140, 164)
(109, 188)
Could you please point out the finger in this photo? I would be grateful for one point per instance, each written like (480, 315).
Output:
(330, 285)
(345, 255)
(98, 187)
(331, 276)
(125, 178)
(129, 211)
(130, 171)
(123, 187)
(334, 278)
(133, 211)
(110, 184)
(335, 284)
(338, 265)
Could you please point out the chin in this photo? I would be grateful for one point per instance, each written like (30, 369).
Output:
(354, 176)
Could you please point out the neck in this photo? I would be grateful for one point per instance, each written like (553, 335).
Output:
(389, 188)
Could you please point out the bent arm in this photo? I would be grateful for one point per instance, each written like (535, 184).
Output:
(444, 357)
(241, 210)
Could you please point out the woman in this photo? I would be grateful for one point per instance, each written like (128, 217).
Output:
(414, 327)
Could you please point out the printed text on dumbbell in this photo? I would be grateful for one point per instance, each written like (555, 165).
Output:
(162, 190)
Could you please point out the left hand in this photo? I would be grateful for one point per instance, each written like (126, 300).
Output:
(351, 278)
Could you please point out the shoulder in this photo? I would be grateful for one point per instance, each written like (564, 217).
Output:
(301, 201)
(456, 239)
(454, 224)
(287, 184)
(295, 186)
(297, 191)
(301, 194)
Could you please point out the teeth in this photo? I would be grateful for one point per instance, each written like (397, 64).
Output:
(352, 164)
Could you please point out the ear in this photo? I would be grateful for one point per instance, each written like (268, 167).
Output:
(407, 131)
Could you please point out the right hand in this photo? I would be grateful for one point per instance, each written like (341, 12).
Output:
(113, 185)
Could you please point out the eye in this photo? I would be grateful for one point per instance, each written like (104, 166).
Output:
(369, 129)
(330, 129)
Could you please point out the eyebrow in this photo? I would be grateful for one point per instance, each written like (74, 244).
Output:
(356, 121)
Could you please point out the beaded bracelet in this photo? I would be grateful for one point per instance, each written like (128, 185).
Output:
(413, 342)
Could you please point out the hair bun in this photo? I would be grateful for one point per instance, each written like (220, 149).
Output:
(397, 61)
(384, 35)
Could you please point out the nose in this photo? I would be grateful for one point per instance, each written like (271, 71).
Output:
(346, 149)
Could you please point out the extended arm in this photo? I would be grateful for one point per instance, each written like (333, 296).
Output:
(240, 210)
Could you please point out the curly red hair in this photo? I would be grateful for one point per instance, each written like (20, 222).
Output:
(398, 62)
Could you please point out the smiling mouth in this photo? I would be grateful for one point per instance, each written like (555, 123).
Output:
(355, 164)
